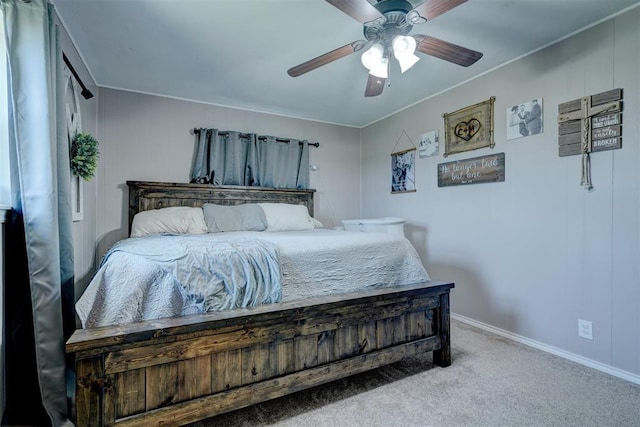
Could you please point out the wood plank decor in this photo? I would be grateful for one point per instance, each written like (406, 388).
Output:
(590, 124)
(472, 171)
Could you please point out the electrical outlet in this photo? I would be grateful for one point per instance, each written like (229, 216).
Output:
(585, 329)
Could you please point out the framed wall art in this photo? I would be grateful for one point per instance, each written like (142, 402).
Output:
(469, 128)
(472, 171)
(403, 175)
(525, 119)
(429, 144)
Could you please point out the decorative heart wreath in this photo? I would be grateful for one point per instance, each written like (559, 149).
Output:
(84, 155)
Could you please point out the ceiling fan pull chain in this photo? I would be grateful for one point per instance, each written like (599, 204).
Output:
(389, 74)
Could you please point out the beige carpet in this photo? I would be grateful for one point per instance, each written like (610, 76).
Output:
(491, 382)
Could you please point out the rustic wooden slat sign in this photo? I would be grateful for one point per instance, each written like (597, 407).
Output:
(590, 124)
(472, 171)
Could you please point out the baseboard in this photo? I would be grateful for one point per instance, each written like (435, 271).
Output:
(550, 349)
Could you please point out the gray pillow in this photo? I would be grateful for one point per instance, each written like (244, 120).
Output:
(247, 217)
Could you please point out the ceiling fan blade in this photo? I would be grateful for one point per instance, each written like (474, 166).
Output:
(375, 85)
(360, 10)
(447, 51)
(328, 57)
(433, 8)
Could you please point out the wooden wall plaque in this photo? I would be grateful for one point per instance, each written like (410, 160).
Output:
(595, 121)
(472, 171)
(469, 128)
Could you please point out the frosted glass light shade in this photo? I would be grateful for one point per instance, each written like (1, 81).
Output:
(404, 45)
(374, 61)
(372, 56)
(407, 62)
(403, 49)
(381, 69)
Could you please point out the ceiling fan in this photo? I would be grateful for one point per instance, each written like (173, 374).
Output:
(386, 28)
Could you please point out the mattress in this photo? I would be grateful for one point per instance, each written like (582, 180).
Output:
(309, 263)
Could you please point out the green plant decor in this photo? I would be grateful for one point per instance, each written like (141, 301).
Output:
(84, 155)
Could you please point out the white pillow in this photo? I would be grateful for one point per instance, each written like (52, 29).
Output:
(286, 217)
(173, 220)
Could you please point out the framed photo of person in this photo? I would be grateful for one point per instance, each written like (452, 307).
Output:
(403, 172)
(525, 119)
(469, 128)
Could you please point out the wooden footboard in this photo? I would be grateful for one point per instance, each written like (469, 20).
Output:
(181, 370)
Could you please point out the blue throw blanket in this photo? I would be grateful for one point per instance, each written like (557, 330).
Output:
(151, 277)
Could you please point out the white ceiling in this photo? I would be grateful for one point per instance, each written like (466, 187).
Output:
(236, 52)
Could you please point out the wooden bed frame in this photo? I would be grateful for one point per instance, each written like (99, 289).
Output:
(180, 370)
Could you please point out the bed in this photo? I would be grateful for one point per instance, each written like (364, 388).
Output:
(174, 371)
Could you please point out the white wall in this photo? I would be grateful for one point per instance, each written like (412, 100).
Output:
(148, 138)
(537, 252)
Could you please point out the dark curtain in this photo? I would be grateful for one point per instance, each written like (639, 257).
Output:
(23, 403)
(282, 163)
(234, 158)
(224, 158)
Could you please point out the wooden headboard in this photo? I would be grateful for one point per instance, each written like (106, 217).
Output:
(144, 195)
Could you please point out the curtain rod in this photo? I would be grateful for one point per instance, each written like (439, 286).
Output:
(85, 92)
(261, 138)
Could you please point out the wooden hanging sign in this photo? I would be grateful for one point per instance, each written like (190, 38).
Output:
(590, 124)
(472, 171)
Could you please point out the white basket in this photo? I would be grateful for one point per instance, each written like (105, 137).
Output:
(389, 225)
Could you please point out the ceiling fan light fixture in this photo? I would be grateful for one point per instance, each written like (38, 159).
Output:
(403, 49)
(407, 62)
(371, 57)
(403, 45)
(386, 28)
(374, 60)
(381, 69)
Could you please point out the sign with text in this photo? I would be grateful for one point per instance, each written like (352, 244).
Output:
(597, 117)
(605, 120)
(472, 171)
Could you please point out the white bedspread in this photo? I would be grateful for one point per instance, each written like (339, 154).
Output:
(324, 262)
(311, 263)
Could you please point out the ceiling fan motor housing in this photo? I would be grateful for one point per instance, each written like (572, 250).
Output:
(392, 23)
(384, 6)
